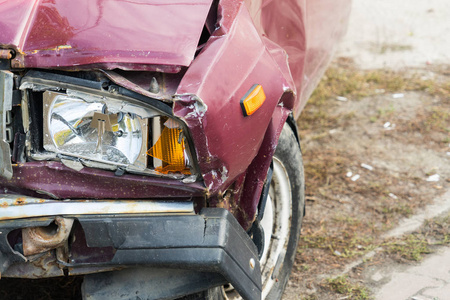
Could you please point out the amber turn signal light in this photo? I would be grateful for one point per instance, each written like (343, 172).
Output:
(170, 149)
(253, 100)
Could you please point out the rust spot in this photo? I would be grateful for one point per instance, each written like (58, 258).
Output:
(4, 204)
(41, 200)
(41, 239)
(17, 64)
(19, 201)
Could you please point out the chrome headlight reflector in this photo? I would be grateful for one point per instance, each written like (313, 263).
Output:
(92, 128)
(113, 132)
(89, 128)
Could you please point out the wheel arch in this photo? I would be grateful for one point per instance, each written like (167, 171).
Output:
(257, 170)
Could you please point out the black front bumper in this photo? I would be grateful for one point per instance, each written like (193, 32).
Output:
(210, 247)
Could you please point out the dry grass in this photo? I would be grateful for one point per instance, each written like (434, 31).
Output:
(433, 233)
(345, 219)
(342, 285)
(343, 79)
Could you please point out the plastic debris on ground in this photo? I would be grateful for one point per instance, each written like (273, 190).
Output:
(349, 174)
(332, 131)
(388, 126)
(337, 253)
(433, 178)
(366, 166)
(393, 196)
(356, 177)
(397, 96)
(340, 98)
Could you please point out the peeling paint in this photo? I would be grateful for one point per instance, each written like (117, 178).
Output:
(197, 107)
(190, 179)
(224, 174)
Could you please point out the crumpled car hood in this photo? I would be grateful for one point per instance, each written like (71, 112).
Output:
(131, 35)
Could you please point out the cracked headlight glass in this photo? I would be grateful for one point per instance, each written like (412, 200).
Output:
(93, 129)
(114, 132)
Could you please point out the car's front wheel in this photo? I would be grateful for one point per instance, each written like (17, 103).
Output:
(283, 215)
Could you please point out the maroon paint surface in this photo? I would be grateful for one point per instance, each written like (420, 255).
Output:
(89, 183)
(53, 33)
(225, 140)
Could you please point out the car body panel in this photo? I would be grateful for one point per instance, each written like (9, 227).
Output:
(107, 34)
(57, 181)
(308, 31)
(209, 102)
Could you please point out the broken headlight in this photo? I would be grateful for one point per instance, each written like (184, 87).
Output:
(113, 132)
(94, 130)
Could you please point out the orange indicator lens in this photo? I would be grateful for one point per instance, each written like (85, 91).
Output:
(170, 149)
(253, 100)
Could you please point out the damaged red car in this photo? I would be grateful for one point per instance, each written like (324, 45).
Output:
(150, 147)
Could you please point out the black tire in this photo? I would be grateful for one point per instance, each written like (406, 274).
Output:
(288, 153)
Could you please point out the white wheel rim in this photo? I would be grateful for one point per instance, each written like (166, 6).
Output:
(280, 203)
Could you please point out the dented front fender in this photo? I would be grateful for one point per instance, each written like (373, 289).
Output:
(208, 98)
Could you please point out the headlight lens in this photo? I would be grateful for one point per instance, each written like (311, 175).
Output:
(112, 131)
(88, 130)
